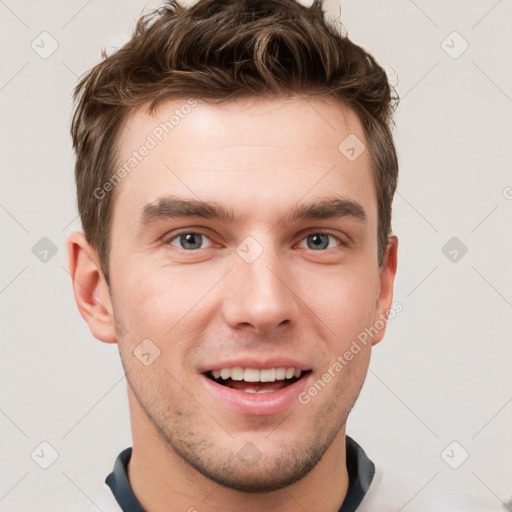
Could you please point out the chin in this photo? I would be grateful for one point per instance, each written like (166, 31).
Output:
(260, 480)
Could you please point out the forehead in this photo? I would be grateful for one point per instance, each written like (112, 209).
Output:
(265, 152)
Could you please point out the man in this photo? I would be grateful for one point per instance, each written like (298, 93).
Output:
(235, 174)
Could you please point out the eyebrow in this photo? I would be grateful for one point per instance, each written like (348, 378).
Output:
(172, 207)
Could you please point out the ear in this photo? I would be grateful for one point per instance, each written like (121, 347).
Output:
(90, 288)
(385, 297)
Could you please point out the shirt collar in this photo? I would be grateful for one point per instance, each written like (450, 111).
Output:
(359, 467)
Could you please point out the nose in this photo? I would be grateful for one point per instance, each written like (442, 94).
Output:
(259, 295)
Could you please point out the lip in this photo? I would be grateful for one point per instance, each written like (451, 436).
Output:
(264, 404)
(260, 364)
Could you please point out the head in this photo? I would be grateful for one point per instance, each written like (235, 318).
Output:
(235, 173)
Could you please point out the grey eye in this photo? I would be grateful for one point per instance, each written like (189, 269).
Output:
(189, 241)
(317, 241)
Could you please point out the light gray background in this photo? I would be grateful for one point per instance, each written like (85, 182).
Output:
(442, 373)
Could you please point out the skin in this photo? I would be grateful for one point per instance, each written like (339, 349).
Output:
(259, 158)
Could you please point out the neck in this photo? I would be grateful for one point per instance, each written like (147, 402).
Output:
(162, 481)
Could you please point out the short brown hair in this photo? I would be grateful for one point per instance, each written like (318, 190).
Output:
(218, 50)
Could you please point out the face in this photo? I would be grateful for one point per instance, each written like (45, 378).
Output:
(244, 253)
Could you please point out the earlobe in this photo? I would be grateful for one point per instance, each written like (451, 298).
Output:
(90, 288)
(385, 297)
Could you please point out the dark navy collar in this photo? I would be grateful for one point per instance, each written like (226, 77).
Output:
(360, 473)
(120, 485)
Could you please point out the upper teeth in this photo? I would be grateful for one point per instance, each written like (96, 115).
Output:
(255, 375)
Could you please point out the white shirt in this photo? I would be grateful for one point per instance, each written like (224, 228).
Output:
(372, 488)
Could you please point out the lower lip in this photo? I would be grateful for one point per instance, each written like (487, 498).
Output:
(257, 403)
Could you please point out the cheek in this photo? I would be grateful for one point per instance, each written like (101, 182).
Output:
(152, 310)
(345, 300)
(158, 303)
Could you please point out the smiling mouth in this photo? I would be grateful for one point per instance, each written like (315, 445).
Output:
(253, 380)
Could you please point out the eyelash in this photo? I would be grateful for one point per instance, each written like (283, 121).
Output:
(176, 236)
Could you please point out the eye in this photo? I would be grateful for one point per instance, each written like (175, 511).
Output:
(320, 241)
(189, 241)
